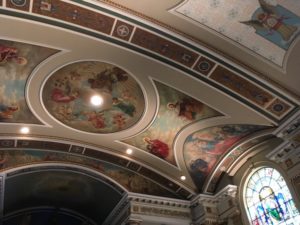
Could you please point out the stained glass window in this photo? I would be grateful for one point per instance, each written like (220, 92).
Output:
(269, 201)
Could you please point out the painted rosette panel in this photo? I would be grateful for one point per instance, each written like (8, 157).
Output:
(95, 97)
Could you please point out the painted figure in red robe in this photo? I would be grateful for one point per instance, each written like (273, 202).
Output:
(10, 54)
(157, 147)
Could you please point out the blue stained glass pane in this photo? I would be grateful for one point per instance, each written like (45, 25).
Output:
(253, 213)
(265, 181)
(269, 201)
(286, 193)
(261, 173)
(274, 185)
(249, 192)
(275, 175)
(258, 186)
(269, 172)
(255, 178)
(251, 185)
(281, 182)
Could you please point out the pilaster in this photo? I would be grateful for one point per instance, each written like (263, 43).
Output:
(221, 208)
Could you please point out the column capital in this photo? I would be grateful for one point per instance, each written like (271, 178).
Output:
(215, 209)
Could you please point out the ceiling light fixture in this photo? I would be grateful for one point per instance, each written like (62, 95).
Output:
(129, 151)
(24, 130)
(96, 100)
(182, 177)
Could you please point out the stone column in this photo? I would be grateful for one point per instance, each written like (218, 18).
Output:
(228, 206)
(220, 209)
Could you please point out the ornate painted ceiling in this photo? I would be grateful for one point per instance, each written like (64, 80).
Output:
(191, 87)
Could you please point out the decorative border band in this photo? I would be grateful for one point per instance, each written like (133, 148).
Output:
(108, 25)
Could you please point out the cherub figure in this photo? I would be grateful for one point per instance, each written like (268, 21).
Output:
(106, 78)
(10, 54)
(187, 108)
(96, 119)
(58, 95)
(125, 106)
(64, 112)
(6, 112)
(119, 120)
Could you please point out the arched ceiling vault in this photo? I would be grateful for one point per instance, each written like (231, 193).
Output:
(186, 98)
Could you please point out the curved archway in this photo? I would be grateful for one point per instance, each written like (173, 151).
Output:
(48, 192)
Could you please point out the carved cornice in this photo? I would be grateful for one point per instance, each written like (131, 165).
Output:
(213, 209)
(155, 206)
(290, 128)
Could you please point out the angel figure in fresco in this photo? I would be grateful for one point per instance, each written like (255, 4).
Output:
(60, 96)
(63, 91)
(6, 112)
(200, 169)
(65, 112)
(125, 106)
(157, 147)
(270, 20)
(10, 54)
(187, 108)
(210, 146)
(106, 79)
(119, 120)
(96, 119)
(217, 142)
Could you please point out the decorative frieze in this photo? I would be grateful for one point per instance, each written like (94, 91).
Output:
(290, 129)
(157, 43)
(152, 208)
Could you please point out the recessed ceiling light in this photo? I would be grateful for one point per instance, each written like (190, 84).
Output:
(182, 177)
(24, 130)
(129, 151)
(96, 100)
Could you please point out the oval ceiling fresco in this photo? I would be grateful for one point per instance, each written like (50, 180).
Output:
(94, 96)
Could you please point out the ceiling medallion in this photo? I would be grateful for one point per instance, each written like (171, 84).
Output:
(18, 3)
(94, 97)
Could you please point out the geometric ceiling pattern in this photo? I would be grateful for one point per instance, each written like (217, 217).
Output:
(265, 27)
(181, 109)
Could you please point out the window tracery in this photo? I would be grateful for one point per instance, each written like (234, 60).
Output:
(268, 199)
